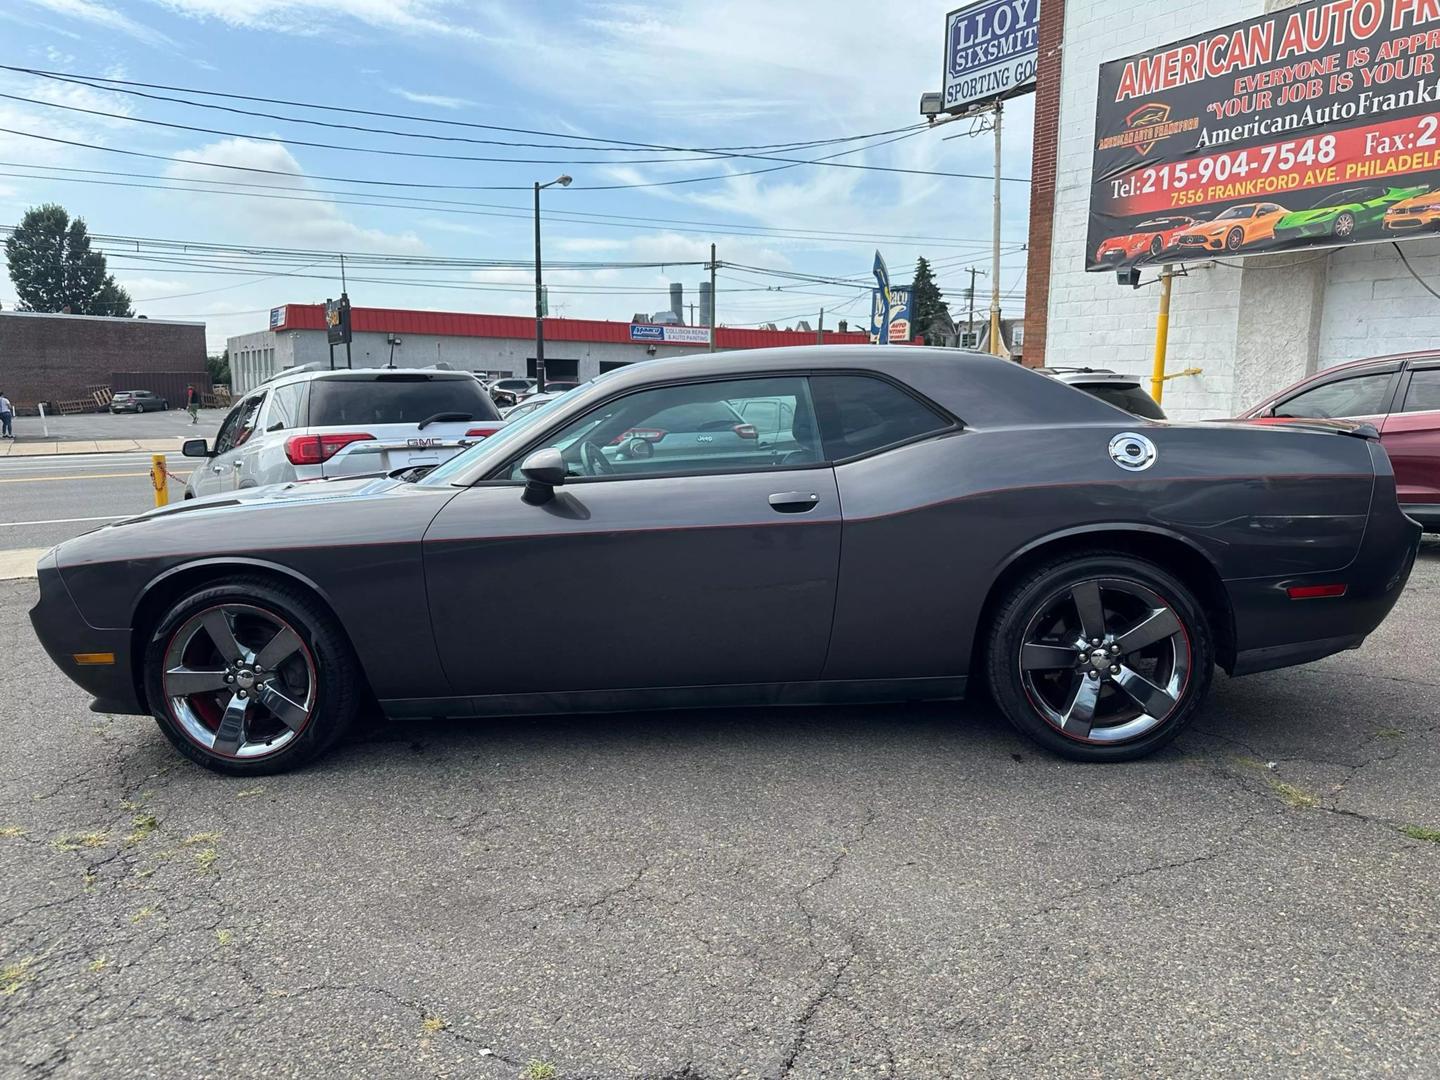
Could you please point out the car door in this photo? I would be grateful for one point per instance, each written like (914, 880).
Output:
(1411, 435)
(232, 444)
(641, 572)
(205, 479)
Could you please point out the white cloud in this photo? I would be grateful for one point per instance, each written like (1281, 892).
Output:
(284, 223)
(439, 101)
(105, 18)
(314, 17)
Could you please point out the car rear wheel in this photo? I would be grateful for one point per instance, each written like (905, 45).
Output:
(1100, 657)
(250, 677)
(1345, 225)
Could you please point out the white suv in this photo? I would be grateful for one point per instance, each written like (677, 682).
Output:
(308, 425)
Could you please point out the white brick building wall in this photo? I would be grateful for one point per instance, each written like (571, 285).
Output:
(1370, 304)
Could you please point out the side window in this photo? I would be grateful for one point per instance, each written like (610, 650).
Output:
(1364, 395)
(1424, 392)
(225, 437)
(285, 407)
(239, 425)
(694, 428)
(860, 414)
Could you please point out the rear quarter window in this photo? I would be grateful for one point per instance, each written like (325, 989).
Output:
(395, 399)
(860, 414)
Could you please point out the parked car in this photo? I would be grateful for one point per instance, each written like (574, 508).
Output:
(506, 392)
(310, 425)
(1346, 213)
(1150, 239)
(1123, 391)
(1246, 225)
(923, 544)
(1400, 396)
(526, 407)
(137, 401)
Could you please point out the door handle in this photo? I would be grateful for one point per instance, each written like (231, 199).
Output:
(217, 468)
(794, 502)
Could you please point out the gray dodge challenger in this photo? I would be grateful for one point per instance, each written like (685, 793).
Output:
(776, 527)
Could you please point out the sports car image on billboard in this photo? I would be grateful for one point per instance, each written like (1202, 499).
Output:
(1344, 214)
(1415, 213)
(1246, 225)
(1152, 238)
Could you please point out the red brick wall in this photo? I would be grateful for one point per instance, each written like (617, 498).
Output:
(1042, 179)
(59, 357)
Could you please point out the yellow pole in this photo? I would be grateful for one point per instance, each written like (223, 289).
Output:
(1162, 335)
(159, 480)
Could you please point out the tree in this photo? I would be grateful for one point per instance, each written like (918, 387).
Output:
(53, 268)
(929, 315)
(219, 368)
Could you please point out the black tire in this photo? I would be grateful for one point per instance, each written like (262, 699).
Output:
(1039, 592)
(1157, 247)
(338, 682)
(1235, 239)
(1344, 227)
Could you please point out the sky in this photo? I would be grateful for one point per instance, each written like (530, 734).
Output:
(675, 73)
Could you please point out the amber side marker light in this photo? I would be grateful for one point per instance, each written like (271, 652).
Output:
(1315, 592)
(94, 659)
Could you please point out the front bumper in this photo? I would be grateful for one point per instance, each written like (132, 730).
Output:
(1429, 219)
(98, 661)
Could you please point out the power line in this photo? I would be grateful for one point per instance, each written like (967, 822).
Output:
(449, 206)
(790, 163)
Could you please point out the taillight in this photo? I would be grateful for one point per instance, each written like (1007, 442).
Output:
(747, 431)
(314, 449)
(1315, 592)
(482, 432)
(652, 435)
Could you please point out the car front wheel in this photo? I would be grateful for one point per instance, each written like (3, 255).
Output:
(1100, 657)
(250, 677)
(1345, 226)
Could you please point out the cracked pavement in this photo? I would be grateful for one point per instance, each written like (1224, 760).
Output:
(877, 892)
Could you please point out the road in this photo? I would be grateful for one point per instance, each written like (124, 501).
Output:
(898, 892)
(44, 500)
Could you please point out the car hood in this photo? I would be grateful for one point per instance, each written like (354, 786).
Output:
(295, 491)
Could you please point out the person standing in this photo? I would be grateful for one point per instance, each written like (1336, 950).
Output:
(7, 416)
(192, 403)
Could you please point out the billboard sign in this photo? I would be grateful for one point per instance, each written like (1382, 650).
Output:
(890, 320)
(991, 49)
(277, 316)
(337, 320)
(670, 335)
(1311, 126)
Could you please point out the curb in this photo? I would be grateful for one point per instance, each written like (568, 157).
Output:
(55, 447)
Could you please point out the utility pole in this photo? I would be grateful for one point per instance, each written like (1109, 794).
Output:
(820, 329)
(996, 345)
(714, 296)
(692, 312)
(564, 181)
(970, 301)
(344, 299)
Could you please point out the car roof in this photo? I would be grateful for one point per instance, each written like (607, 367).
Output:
(368, 374)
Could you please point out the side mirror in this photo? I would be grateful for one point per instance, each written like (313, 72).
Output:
(544, 471)
(196, 448)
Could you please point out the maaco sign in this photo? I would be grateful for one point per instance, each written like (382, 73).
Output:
(990, 51)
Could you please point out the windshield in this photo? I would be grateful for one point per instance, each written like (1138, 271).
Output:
(1352, 196)
(513, 431)
(1235, 212)
(1130, 398)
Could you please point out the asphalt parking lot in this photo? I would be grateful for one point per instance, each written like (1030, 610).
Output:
(880, 892)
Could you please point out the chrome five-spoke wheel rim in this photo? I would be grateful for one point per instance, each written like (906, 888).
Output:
(1105, 661)
(239, 681)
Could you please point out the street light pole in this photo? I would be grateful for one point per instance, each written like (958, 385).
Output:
(563, 181)
(996, 345)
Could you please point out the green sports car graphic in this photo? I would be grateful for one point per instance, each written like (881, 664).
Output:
(1344, 214)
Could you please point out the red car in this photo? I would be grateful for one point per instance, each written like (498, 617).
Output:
(1400, 395)
(1151, 239)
